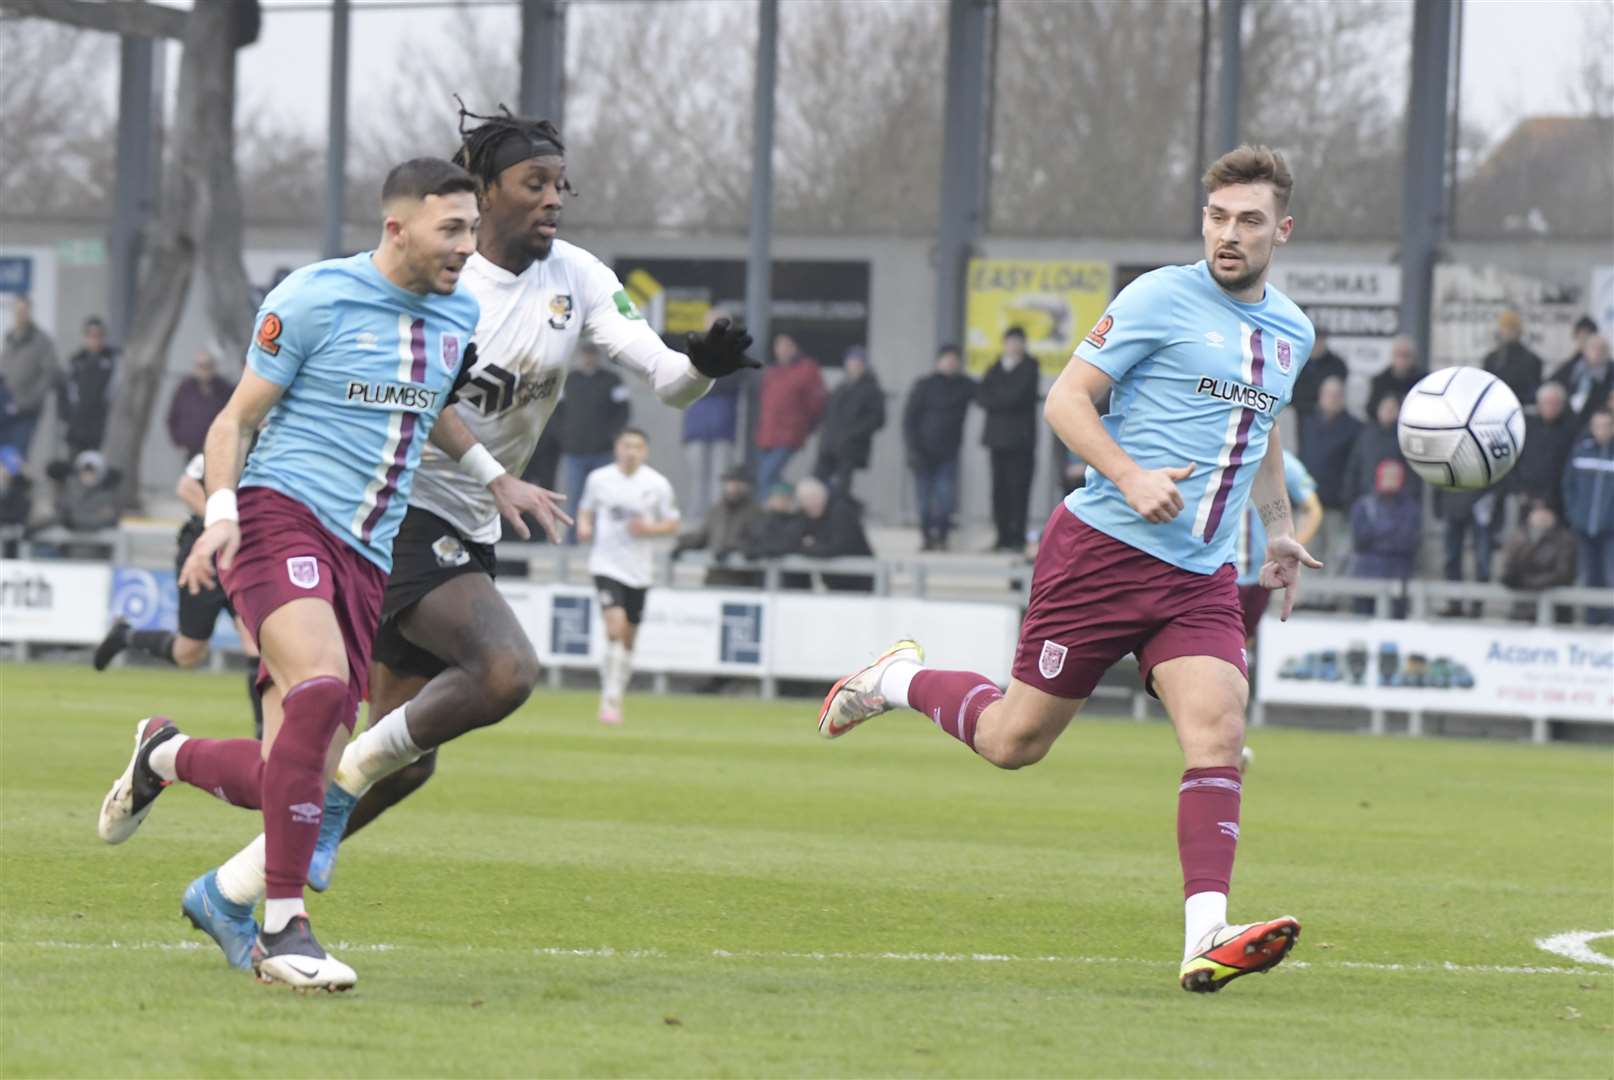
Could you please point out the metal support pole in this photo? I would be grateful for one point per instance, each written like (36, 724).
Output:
(336, 138)
(966, 118)
(1423, 183)
(759, 257)
(1196, 197)
(1231, 72)
(135, 193)
(543, 61)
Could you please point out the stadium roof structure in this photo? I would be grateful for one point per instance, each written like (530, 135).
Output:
(1552, 176)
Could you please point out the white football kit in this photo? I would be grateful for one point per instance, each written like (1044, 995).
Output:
(532, 325)
(617, 498)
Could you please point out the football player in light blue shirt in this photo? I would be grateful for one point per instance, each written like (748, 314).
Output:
(1200, 360)
(351, 365)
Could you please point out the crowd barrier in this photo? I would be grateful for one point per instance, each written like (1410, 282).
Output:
(968, 611)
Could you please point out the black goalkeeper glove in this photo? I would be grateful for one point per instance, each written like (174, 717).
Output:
(721, 350)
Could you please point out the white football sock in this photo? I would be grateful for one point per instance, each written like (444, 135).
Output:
(241, 876)
(277, 913)
(380, 750)
(1202, 913)
(164, 758)
(618, 671)
(895, 680)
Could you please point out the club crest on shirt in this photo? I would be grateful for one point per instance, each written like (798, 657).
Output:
(303, 570)
(450, 552)
(560, 310)
(1286, 358)
(1052, 660)
(451, 353)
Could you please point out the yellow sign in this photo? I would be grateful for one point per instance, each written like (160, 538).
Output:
(1055, 303)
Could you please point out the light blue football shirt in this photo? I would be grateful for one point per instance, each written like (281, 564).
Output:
(1199, 379)
(367, 368)
(1251, 551)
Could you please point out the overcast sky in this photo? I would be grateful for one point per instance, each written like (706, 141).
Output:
(1519, 56)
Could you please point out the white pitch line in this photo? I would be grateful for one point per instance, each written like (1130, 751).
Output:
(609, 953)
(1575, 945)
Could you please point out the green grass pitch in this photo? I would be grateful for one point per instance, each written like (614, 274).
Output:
(714, 891)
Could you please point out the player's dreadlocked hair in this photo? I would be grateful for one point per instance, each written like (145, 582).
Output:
(495, 143)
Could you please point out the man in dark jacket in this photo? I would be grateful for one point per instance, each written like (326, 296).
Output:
(832, 527)
(933, 434)
(1588, 379)
(84, 398)
(596, 412)
(1327, 437)
(726, 531)
(1323, 363)
(1588, 488)
(1511, 360)
(196, 401)
(1008, 394)
(855, 411)
(1375, 443)
(1399, 378)
(1549, 435)
(1541, 552)
(1385, 528)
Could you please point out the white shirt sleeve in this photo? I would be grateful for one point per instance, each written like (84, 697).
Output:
(613, 324)
(669, 502)
(591, 492)
(195, 469)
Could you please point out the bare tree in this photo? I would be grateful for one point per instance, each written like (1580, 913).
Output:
(1591, 84)
(56, 118)
(200, 213)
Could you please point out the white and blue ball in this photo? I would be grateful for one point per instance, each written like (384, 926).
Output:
(1461, 428)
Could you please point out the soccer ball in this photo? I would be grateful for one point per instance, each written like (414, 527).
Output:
(1461, 428)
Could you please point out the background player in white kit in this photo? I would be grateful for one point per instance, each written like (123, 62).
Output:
(450, 656)
(624, 504)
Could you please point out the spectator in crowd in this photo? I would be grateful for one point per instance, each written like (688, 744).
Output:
(1323, 364)
(1588, 379)
(726, 531)
(84, 396)
(1549, 435)
(777, 532)
(933, 434)
(832, 527)
(1377, 442)
(1468, 514)
(792, 403)
(16, 490)
(1399, 378)
(711, 426)
(1385, 526)
(88, 497)
(1585, 327)
(196, 401)
(1588, 489)
(1327, 437)
(854, 412)
(596, 412)
(30, 370)
(1008, 394)
(1540, 554)
(1512, 361)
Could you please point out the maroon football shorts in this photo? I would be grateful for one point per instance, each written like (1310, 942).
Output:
(1253, 600)
(1094, 599)
(287, 554)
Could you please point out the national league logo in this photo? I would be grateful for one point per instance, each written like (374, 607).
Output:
(303, 571)
(1286, 359)
(1052, 660)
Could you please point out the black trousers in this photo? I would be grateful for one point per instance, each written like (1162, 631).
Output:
(1011, 494)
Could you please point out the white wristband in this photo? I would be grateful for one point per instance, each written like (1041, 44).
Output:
(480, 464)
(221, 506)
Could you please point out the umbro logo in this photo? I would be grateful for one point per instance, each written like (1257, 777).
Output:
(306, 813)
(1214, 338)
(367, 340)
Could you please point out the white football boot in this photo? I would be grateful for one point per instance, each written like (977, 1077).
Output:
(857, 697)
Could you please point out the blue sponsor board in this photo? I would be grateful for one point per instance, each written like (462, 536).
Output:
(569, 624)
(149, 600)
(742, 634)
(16, 274)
